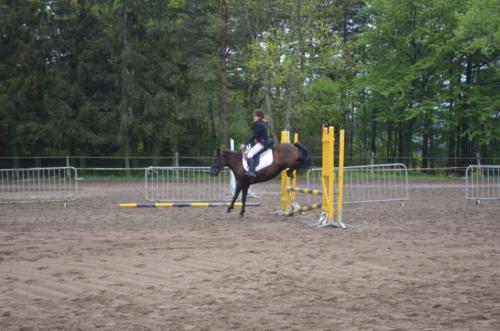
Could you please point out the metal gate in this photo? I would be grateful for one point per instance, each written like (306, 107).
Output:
(187, 184)
(370, 183)
(482, 182)
(38, 184)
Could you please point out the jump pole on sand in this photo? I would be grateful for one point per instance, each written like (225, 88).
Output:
(176, 187)
(183, 204)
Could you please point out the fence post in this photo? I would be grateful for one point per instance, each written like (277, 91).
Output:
(127, 164)
(372, 159)
(176, 164)
(340, 197)
(82, 162)
(176, 159)
(15, 162)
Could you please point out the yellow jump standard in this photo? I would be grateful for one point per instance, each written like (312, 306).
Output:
(289, 187)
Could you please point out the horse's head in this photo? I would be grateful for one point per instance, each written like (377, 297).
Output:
(218, 164)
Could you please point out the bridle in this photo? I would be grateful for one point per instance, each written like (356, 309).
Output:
(218, 165)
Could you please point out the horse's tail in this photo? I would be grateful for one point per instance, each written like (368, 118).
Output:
(305, 159)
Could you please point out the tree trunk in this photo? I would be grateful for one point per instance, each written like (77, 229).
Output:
(289, 103)
(156, 150)
(451, 152)
(373, 134)
(125, 108)
(425, 151)
(454, 71)
(269, 111)
(465, 147)
(388, 149)
(213, 127)
(352, 129)
(401, 144)
(345, 18)
(425, 143)
(300, 34)
(223, 69)
(431, 152)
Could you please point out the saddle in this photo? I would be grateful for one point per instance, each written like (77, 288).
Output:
(262, 159)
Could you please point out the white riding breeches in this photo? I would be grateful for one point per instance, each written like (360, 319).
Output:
(254, 150)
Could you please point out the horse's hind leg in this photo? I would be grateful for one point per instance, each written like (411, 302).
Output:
(235, 196)
(244, 199)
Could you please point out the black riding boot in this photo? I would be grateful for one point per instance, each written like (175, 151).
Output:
(251, 167)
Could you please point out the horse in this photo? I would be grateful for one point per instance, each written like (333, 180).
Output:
(285, 156)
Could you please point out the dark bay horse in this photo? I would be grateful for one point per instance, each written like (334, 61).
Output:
(291, 156)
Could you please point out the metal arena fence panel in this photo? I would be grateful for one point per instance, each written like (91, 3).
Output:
(38, 185)
(482, 182)
(369, 183)
(186, 184)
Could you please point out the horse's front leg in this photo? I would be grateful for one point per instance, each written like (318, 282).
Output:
(235, 196)
(244, 199)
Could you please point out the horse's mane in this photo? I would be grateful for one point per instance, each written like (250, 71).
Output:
(227, 151)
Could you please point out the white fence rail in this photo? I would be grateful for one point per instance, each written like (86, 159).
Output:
(482, 182)
(187, 184)
(369, 183)
(38, 185)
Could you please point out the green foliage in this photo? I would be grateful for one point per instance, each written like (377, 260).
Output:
(407, 79)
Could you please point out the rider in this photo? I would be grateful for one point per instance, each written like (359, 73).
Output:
(260, 137)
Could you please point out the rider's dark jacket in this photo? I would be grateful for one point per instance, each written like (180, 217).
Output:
(259, 134)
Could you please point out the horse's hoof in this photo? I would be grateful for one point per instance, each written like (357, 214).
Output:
(228, 210)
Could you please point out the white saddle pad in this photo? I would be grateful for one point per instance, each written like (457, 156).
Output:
(266, 159)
